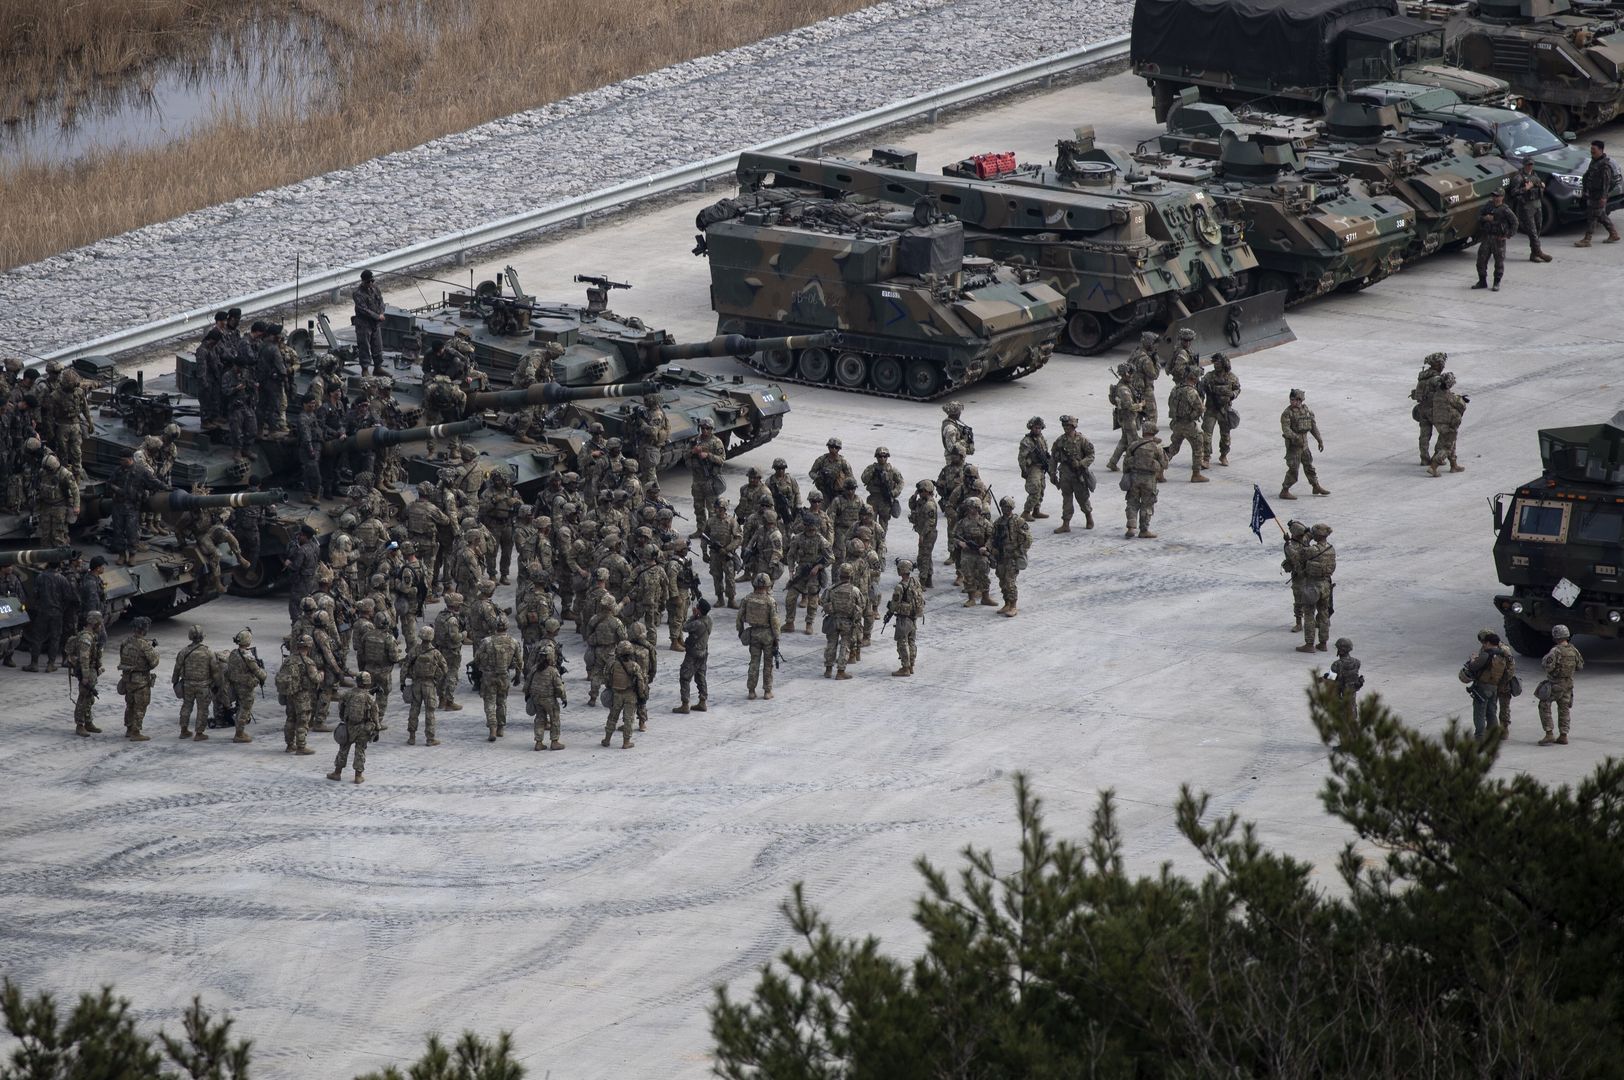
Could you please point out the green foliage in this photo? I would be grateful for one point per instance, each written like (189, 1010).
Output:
(1485, 942)
(472, 1059)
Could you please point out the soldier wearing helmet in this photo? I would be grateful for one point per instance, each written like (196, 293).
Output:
(829, 472)
(651, 431)
(786, 492)
(84, 659)
(1011, 541)
(1344, 673)
(705, 457)
(1034, 461)
(1069, 468)
(196, 674)
(844, 604)
(758, 627)
(1448, 410)
(1560, 664)
(137, 660)
(56, 501)
(907, 607)
(422, 675)
(626, 684)
(972, 540)
(1185, 358)
(956, 434)
(1219, 389)
(1140, 373)
(1144, 463)
(1294, 547)
(883, 486)
(1297, 423)
(1315, 591)
(924, 515)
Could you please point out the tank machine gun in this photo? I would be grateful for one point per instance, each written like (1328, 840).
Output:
(1124, 259)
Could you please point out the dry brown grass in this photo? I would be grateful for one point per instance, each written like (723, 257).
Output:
(465, 62)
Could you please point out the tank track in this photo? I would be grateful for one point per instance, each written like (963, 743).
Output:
(948, 387)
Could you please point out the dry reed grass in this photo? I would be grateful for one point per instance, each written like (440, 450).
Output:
(406, 71)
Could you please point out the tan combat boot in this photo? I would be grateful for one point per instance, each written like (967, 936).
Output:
(701, 706)
(607, 739)
(360, 778)
(903, 670)
(186, 733)
(1285, 493)
(970, 601)
(986, 601)
(336, 774)
(1562, 739)
(842, 674)
(201, 736)
(1039, 514)
(431, 742)
(1197, 478)
(540, 745)
(79, 729)
(1432, 470)
(1064, 526)
(490, 735)
(1548, 739)
(1305, 647)
(1455, 466)
(556, 745)
(1316, 489)
(683, 708)
(626, 742)
(1010, 611)
(90, 726)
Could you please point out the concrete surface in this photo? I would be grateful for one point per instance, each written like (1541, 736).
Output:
(590, 900)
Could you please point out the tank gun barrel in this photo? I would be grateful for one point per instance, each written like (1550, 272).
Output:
(34, 556)
(176, 502)
(373, 438)
(553, 394)
(739, 345)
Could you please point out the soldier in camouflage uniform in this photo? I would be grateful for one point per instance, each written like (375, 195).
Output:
(498, 511)
(1426, 381)
(297, 683)
(884, 485)
(1448, 410)
(56, 501)
(193, 679)
(955, 432)
(1319, 567)
(604, 634)
(1070, 461)
(765, 554)
(1125, 410)
(497, 659)
(907, 606)
(1011, 541)
(84, 659)
(137, 660)
(1033, 460)
(757, 625)
(1143, 368)
(1295, 546)
(544, 695)
(244, 675)
(359, 725)
(425, 668)
(648, 658)
(754, 497)
(830, 472)
(1297, 423)
(1560, 665)
(923, 515)
(705, 459)
(1144, 465)
(1184, 408)
(376, 654)
(1184, 357)
(449, 637)
(972, 540)
(695, 656)
(410, 588)
(1344, 671)
(1220, 388)
(843, 605)
(627, 685)
(809, 556)
(651, 430)
(720, 543)
(785, 491)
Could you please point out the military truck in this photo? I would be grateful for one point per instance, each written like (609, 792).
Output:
(1124, 260)
(1445, 182)
(1559, 539)
(915, 316)
(1289, 54)
(1565, 67)
(1516, 136)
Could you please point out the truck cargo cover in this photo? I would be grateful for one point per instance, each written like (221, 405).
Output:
(1291, 42)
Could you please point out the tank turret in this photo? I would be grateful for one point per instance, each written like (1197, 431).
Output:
(553, 394)
(35, 556)
(1361, 121)
(373, 438)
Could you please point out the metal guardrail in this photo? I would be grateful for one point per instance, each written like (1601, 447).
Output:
(576, 210)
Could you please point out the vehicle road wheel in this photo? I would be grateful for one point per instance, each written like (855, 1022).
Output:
(815, 365)
(1084, 332)
(1554, 116)
(778, 363)
(255, 580)
(1525, 639)
(1274, 281)
(924, 378)
(1547, 220)
(887, 374)
(851, 369)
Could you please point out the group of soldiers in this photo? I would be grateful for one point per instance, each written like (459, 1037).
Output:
(1520, 206)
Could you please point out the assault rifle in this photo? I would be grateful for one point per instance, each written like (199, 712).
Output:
(733, 560)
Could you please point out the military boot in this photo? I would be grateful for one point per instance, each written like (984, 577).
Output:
(1307, 646)
(1145, 533)
(79, 729)
(1548, 739)
(1432, 470)
(541, 745)
(201, 736)
(752, 695)
(842, 674)
(411, 738)
(1455, 466)
(1197, 478)
(1039, 514)
(1314, 486)
(986, 601)
(360, 778)
(903, 670)
(854, 654)
(336, 774)
(1496, 286)
(1223, 459)
(683, 708)
(1481, 283)
(808, 629)
(556, 745)
(1088, 519)
(1583, 241)
(185, 733)
(1612, 234)
(448, 706)
(1064, 526)
(702, 706)
(1009, 610)
(676, 645)
(431, 741)
(1322, 646)
(90, 726)
(1297, 627)
(626, 742)
(1285, 493)
(303, 751)
(607, 739)
(491, 736)
(1562, 739)
(970, 601)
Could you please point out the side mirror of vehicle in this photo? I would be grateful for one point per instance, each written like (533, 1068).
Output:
(1568, 136)
(1499, 512)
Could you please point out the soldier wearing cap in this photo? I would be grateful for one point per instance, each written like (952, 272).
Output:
(907, 606)
(1034, 462)
(705, 459)
(883, 483)
(368, 323)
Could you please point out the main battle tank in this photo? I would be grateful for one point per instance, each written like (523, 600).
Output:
(602, 350)
(14, 609)
(1313, 228)
(915, 317)
(1565, 62)
(1445, 182)
(1124, 259)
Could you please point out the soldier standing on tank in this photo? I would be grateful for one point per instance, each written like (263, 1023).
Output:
(1033, 460)
(1143, 463)
(1143, 368)
(1069, 467)
(1495, 225)
(498, 509)
(1125, 410)
(1011, 541)
(923, 515)
(85, 665)
(56, 501)
(651, 430)
(72, 415)
(137, 660)
(1527, 199)
(1185, 410)
(131, 483)
(695, 657)
(368, 320)
(955, 432)
(210, 397)
(1560, 664)
(497, 659)
(1599, 177)
(972, 540)
(1220, 388)
(208, 553)
(274, 377)
(1317, 588)
(757, 625)
(1297, 423)
(1448, 409)
(1426, 382)
(907, 606)
(193, 679)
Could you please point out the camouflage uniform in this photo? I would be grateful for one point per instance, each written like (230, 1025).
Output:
(757, 625)
(1125, 410)
(410, 589)
(923, 515)
(1033, 460)
(544, 695)
(497, 658)
(425, 667)
(1221, 388)
(1294, 547)
(786, 493)
(1184, 357)
(1560, 664)
(651, 430)
(1315, 593)
(1145, 463)
(1345, 671)
(845, 510)
(627, 685)
(1496, 224)
(695, 656)
(907, 606)
(809, 554)
(244, 675)
(84, 657)
(1426, 381)
(56, 501)
(449, 638)
(972, 540)
(137, 660)
(298, 682)
(843, 605)
(884, 486)
(1011, 540)
(498, 510)
(955, 432)
(1448, 409)
(830, 472)
(604, 636)
(754, 497)
(720, 544)
(1143, 368)
(1296, 425)
(1070, 461)
(1184, 408)
(359, 717)
(194, 677)
(705, 459)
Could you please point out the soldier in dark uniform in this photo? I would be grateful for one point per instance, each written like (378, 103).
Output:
(245, 525)
(310, 440)
(1597, 185)
(1495, 226)
(1528, 200)
(368, 322)
(49, 597)
(301, 565)
(129, 485)
(273, 382)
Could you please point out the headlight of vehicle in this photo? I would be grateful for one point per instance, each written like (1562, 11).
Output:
(1568, 180)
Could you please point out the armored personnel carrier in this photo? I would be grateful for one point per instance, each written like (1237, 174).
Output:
(915, 317)
(1124, 260)
(602, 349)
(14, 609)
(1559, 539)
(1564, 62)
(1445, 182)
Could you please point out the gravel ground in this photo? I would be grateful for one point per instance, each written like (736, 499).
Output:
(690, 111)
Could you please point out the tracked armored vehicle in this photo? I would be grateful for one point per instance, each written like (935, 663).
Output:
(1565, 62)
(14, 609)
(1445, 182)
(1124, 260)
(915, 317)
(1559, 539)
